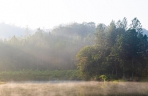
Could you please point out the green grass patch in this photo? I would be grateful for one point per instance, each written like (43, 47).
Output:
(39, 75)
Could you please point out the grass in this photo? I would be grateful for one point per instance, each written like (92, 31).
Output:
(38, 75)
(74, 89)
(50, 83)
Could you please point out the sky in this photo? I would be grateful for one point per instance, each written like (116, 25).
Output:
(47, 14)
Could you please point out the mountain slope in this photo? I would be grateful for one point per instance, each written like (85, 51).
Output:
(7, 31)
(145, 31)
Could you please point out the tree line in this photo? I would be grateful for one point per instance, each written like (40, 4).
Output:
(55, 50)
(116, 51)
(120, 51)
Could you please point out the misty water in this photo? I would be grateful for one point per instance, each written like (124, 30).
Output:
(74, 88)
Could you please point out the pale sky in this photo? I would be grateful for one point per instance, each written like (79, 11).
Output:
(50, 13)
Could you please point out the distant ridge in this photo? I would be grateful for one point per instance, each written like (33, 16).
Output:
(7, 31)
(145, 31)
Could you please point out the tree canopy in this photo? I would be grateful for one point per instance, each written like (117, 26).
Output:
(120, 51)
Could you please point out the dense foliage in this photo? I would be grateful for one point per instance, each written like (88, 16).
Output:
(120, 51)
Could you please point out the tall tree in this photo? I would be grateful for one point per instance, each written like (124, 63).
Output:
(136, 25)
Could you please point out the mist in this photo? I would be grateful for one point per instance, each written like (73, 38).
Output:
(40, 64)
(93, 52)
(9, 30)
(74, 89)
(45, 50)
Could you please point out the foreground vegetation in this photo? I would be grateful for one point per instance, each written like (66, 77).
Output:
(38, 75)
(74, 89)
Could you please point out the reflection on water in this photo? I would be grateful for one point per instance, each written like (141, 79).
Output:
(74, 88)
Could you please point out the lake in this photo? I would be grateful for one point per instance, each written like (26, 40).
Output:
(74, 88)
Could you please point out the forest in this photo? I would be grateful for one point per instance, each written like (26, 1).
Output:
(46, 50)
(120, 51)
(116, 51)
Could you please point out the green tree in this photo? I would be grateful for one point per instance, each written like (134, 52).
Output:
(103, 77)
(87, 62)
(118, 51)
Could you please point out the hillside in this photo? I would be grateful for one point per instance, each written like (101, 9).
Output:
(7, 31)
(145, 31)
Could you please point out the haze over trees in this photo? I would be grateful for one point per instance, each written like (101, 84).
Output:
(116, 51)
(7, 31)
(46, 50)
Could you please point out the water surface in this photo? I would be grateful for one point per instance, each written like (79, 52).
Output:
(74, 88)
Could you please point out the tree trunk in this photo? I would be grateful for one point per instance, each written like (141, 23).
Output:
(112, 71)
(116, 67)
(132, 68)
(123, 73)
